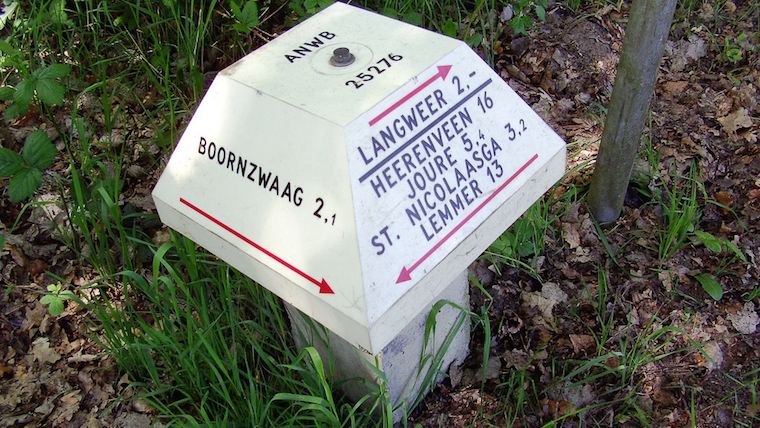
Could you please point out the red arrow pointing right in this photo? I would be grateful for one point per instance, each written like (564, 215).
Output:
(443, 71)
(406, 273)
(324, 287)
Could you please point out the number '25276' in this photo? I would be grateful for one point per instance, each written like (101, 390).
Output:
(381, 66)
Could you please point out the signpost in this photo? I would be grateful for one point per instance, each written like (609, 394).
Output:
(355, 166)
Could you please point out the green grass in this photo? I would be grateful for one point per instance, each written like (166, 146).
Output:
(201, 342)
(205, 344)
(524, 242)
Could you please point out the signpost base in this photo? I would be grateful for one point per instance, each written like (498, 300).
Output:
(405, 377)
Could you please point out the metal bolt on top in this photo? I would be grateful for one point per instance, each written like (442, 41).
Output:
(342, 57)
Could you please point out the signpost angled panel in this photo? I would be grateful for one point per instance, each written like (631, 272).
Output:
(277, 193)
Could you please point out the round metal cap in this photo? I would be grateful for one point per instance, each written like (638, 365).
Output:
(342, 57)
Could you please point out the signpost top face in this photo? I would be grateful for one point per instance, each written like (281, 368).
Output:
(296, 67)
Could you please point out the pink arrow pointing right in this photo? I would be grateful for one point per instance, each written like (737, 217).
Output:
(443, 71)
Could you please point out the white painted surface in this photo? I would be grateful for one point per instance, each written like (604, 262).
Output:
(293, 67)
(328, 238)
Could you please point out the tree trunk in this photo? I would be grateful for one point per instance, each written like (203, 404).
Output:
(645, 35)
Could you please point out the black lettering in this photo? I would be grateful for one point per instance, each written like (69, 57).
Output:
(475, 188)
(264, 178)
(445, 214)
(327, 35)
(291, 58)
(476, 157)
(202, 146)
(464, 115)
(439, 97)
(425, 233)
(250, 174)
(316, 43)
(222, 156)
(286, 192)
(231, 161)
(301, 50)
(410, 120)
(418, 108)
(400, 130)
(413, 215)
(242, 165)
(388, 137)
(275, 185)
(298, 196)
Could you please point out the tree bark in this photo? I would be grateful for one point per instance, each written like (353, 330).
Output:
(648, 26)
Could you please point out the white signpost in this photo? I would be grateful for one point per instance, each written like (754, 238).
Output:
(355, 166)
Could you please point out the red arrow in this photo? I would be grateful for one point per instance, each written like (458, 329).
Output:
(324, 287)
(443, 71)
(406, 273)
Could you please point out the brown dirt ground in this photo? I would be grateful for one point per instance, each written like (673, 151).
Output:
(705, 110)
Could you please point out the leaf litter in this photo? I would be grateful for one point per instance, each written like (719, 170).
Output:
(704, 111)
(52, 374)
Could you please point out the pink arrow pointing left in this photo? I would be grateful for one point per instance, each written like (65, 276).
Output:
(406, 273)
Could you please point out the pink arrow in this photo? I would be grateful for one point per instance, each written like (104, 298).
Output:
(406, 273)
(443, 71)
(324, 287)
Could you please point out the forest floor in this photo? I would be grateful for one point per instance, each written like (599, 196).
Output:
(650, 321)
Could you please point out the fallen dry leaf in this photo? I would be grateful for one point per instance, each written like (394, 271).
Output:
(45, 408)
(724, 198)
(746, 320)
(4, 370)
(571, 235)
(683, 52)
(674, 89)
(517, 358)
(43, 353)
(67, 407)
(550, 296)
(713, 357)
(736, 120)
(556, 409)
(582, 343)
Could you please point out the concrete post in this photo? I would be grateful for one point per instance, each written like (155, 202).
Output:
(407, 380)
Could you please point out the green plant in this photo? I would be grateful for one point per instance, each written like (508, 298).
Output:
(718, 245)
(306, 8)
(733, 52)
(54, 299)
(208, 346)
(621, 370)
(523, 10)
(524, 241)
(754, 294)
(247, 17)
(681, 213)
(710, 285)
(42, 83)
(525, 238)
(25, 170)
